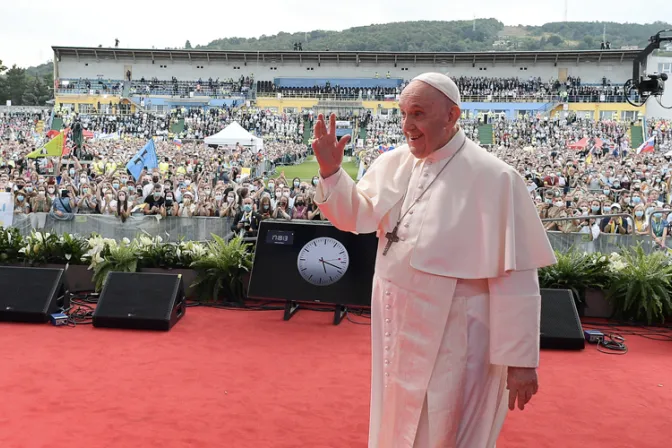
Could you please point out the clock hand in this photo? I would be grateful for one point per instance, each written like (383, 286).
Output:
(321, 260)
(330, 264)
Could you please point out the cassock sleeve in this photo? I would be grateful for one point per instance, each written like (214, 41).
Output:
(349, 206)
(515, 313)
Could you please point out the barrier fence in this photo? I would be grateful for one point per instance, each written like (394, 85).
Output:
(173, 229)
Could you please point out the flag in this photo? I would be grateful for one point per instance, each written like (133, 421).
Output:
(647, 146)
(53, 148)
(178, 142)
(145, 158)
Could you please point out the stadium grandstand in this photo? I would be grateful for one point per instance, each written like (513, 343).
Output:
(225, 120)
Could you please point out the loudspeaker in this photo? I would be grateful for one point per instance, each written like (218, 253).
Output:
(31, 294)
(560, 324)
(140, 301)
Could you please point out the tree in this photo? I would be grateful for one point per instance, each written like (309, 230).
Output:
(187, 45)
(2, 67)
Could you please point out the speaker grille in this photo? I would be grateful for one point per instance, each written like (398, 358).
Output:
(29, 294)
(560, 324)
(141, 301)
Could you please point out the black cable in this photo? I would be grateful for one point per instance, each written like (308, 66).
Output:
(612, 344)
(80, 311)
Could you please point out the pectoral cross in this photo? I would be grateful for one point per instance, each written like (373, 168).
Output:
(392, 237)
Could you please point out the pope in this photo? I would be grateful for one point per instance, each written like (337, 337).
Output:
(455, 310)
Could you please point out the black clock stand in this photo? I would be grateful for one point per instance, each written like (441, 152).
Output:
(291, 307)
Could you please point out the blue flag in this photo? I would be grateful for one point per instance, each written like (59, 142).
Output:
(145, 158)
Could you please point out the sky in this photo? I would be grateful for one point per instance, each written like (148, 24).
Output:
(28, 29)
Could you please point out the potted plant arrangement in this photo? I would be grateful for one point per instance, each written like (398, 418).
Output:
(68, 252)
(173, 258)
(107, 256)
(11, 243)
(578, 272)
(224, 272)
(641, 285)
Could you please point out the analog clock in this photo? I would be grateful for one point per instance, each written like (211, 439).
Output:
(323, 261)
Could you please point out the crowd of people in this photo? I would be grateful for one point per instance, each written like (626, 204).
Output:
(605, 176)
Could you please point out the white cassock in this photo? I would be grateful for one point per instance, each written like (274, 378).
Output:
(455, 301)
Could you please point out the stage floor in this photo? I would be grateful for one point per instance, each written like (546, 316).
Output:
(239, 379)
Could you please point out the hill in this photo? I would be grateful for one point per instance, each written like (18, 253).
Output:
(478, 35)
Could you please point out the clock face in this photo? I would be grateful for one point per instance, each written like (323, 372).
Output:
(323, 261)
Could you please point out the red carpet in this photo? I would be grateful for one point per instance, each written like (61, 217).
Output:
(250, 380)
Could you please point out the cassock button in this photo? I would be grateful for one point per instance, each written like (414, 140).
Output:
(406, 225)
(387, 349)
(387, 307)
(387, 321)
(387, 361)
(401, 238)
(426, 174)
(387, 293)
(387, 334)
(421, 187)
(387, 373)
(410, 212)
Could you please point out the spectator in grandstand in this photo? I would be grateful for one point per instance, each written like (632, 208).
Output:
(246, 221)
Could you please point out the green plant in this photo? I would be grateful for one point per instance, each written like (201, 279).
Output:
(220, 273)
(11, 243)
(576, 271)
(49, 248)
(109, 256)
(641, 285)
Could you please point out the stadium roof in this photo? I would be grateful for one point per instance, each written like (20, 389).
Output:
(574, 56)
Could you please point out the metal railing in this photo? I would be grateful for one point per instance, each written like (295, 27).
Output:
(598, 98)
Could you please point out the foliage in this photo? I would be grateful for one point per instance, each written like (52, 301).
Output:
(460, 35)
(576, 271)
(11, 242)
(26, 87)
(154, 253)
(641, 285)
(48, 248)
(109, 256)
(221, 272)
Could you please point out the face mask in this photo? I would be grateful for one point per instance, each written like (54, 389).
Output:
(316, 181)
(606, 211)
(265, 206)
(286, 194)
(300, 203)
(296, 184)
(558, 204)
(51, 190)
(157, 195)
(650, 210)
(29, 189)
(247, 207)
(657, 179)
(124, 180)
(271, 185)
(85, 190)
(636, 200)
(617, 185)
(187, 182)
(605, 191)
(130, 188)
(237, 179)
(278, 193)
(169, 198)
(207, 192)
(595, 208)
(115, 186)
(218, 197)
(167, 186)
(20, 197)
(155, 179)
(229, 199)
(145, 182)
(584, 213)
(657, 215)
(122, 198)
(72, 172)
(41, 193)
(576, 198)
(548, 201)
(639, 213)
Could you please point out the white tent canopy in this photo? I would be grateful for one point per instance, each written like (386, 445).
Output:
(232, 134)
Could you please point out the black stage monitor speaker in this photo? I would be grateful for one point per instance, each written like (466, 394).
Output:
(140, 301)
(560, 325)
(31, 294)
(313, 261)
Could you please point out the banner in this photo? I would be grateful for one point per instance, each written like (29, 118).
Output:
(6, 209)
(145, 158)
(53, 148)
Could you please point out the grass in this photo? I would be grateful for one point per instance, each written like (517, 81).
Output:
(309, 168)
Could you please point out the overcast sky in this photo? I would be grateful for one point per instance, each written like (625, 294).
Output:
(28, 29)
